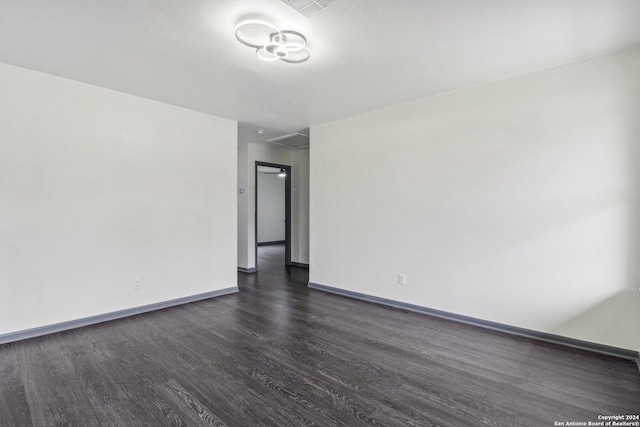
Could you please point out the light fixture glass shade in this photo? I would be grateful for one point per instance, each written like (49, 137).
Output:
(282, 174)
(272, 44)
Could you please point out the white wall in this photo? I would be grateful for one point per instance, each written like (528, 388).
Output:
(298, 159)
(271, 208)
(98, 188)
(514, 202)
(300, 246)
(245, 227)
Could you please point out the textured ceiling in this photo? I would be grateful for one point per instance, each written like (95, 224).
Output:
(366, 54)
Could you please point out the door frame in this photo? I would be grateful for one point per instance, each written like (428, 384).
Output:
(287, 210)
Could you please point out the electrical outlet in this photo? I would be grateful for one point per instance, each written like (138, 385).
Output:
(402, 279)
(137, 284)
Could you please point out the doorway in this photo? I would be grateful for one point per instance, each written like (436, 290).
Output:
(272, 209)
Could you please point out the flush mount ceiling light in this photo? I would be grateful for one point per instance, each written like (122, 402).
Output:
(272, 44)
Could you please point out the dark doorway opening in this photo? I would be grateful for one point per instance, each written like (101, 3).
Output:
(287, 208)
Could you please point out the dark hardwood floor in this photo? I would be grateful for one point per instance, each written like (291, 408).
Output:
(279, 354)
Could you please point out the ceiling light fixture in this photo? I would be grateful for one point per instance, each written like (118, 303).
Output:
(272, 44)
(282, 174)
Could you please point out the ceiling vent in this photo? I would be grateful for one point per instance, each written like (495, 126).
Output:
(294, 140)
(307, 7)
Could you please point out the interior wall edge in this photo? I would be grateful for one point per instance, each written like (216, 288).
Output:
(275, 242)
(300, 265)
(100, 318)
(486, 324)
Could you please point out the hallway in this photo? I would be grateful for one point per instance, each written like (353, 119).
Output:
(271, 256)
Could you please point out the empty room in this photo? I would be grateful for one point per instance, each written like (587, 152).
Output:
(319, 212)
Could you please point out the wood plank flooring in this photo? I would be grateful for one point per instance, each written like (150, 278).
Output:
(279, 354)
